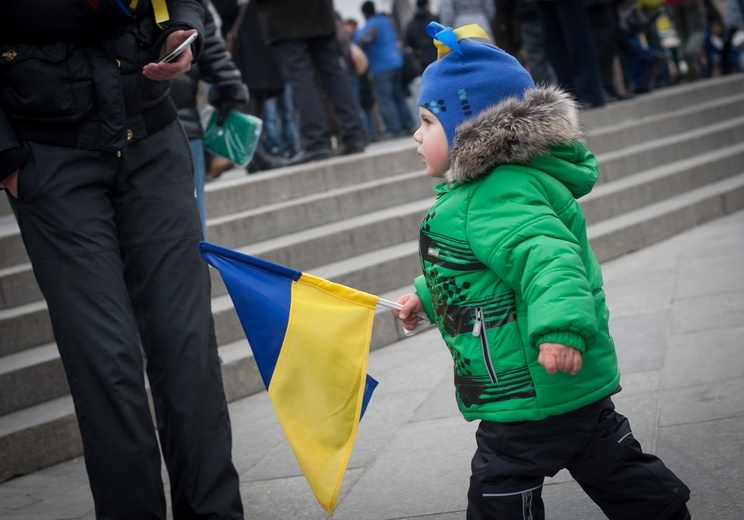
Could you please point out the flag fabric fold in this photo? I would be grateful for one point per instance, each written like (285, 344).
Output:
(310, 338)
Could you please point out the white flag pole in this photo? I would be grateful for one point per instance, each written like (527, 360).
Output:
(398, 306)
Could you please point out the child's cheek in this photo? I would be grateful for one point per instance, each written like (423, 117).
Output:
(439, 159)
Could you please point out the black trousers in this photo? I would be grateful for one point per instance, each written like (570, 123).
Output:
(114, 246)
(300, 62)
(603, 20)
(569, 43)
(594, 443)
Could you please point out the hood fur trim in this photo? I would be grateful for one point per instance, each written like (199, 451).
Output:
(514, 132)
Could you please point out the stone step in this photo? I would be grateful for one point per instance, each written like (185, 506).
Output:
(239, 192)
(616, 198)
(24, 326)
(18, 285)
(31, 377)
(243, 192)
(46, 433)
(308, 249)
(652, 186)
(648, 225)
(665, 149)
(230, 202)
(629, 133)
(27, 326)
(654, 119)
(38, 437)
(5, 206)
(304, 213)
(363, 268)
(663, 101)
(12, 250)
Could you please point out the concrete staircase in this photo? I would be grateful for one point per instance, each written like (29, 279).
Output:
(669, 160)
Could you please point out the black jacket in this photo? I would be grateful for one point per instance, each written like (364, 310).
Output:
(215, 67)
(249, 52)
(71, 73)
(295, 19)
(416, 38)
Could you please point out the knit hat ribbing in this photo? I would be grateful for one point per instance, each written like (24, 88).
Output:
(469, 79)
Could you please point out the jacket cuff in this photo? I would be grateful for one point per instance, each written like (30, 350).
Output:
(11, 160)
(569, 339)
(234, 93)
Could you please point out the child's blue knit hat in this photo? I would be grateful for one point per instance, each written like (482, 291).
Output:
(468, 76)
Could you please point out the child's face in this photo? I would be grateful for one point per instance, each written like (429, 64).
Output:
(433, 147)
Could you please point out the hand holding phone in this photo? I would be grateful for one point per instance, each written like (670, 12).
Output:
(178, 50)
(179, 65)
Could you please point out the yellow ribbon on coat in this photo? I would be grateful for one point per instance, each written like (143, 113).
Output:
(160, 8)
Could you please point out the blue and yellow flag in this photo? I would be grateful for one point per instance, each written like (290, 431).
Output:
(310, 338)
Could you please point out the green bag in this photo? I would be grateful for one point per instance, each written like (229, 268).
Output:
(236, 139)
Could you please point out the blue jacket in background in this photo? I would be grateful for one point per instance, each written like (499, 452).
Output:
(379, 41)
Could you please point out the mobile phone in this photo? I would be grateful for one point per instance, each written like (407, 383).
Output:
(178, 50)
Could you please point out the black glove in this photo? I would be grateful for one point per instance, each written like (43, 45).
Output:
(224, 109)
(226, 97)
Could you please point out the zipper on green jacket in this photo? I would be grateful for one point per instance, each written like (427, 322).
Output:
(479, 331)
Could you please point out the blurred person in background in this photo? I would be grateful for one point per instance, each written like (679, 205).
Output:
(569, 42)
(379, 41)
(690, 21)
(242, 32)
(457, 13)
(280, 124)
(301, 36)
(733, 21)
(603, 17)
(416, 38)
(227, 92)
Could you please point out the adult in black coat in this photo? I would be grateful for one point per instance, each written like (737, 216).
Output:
(99, 177)
(301, 35)
(227, 92)
(416, 38)
(241, 29)
(571, 49)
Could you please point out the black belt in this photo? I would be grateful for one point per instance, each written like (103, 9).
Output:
(87, 135)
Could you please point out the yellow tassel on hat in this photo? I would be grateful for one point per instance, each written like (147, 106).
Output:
(466, 31)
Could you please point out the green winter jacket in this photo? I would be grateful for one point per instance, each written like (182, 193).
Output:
(507, 264)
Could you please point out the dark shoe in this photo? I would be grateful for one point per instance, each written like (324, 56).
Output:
(588, 105)
(355, 147)
(609, 98)
(304, 156)
(649, 79)
(288, 154)
(618, 96)
(263, 160)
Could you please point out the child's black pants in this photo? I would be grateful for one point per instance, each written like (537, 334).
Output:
(594, 443)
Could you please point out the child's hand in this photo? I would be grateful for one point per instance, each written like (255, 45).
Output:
(554, 357)
(408, 314)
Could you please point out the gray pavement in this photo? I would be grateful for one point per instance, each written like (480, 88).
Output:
(678, 321)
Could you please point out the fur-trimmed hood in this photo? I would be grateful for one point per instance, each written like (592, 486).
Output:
(514, 131)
